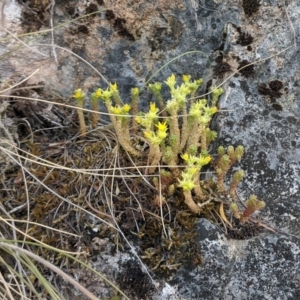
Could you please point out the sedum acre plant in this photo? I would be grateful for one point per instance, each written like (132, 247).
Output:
(178, 134)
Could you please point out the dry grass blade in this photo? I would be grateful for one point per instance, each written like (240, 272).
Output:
(50, 266)
(6, 287)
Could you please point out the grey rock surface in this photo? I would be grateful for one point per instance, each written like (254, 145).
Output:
(264, 267)
(260, 110)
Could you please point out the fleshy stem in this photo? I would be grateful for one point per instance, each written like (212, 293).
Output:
(119, 120)
(195, 129)
(216, 93)
(203, 138)
(154, 157)
(173, 106)
(222, 168)
(210, 136)
(193, 138)
(188, 200)
(122, 131)
(155, 139)
(235, 154)
(190, 176)
(235, 210)
(95, 97)
(174, 137)
(184, 128)
(202, 160)
(204, 121)
(237, 178)
(225, 162)
(155, 88)
(115, 94)
(252, 204)
(191, 90)
(79, 96)
(169, 158)
(134, 108)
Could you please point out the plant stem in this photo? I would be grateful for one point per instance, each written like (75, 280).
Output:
(184, 128)
(188, 200)
(81, 117)
(95, 115)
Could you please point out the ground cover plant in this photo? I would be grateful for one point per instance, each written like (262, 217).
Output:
(168, 147)
(181, 132)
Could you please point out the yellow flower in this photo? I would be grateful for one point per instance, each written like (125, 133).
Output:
(98, 93)
(106, 95)
(171, 81)
(152, 114)
(192, 160)
(162, 126)
(186, 78)
(179, 94)
(185, 157)
(184, 90)
(155, 140)
(147, 135)
(204, 160)
(79, 94)
(135, 91)
(113, 87)
(152, 137)
(207, 159)
(153, 108)
(197, 107)
(214, 109)
(187, 183)
(117, 110)
(193, 170)
(126, 108)
(162, 135)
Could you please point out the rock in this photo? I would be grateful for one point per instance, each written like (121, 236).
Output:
(263, 267)
(130, 42)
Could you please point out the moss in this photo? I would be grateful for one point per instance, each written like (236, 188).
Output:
(245, 39)
(250, 7)
(246, 71)
(221, 69)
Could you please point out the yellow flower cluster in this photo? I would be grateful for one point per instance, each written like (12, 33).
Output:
(201, 112)
(185, 129)
(120, 110)
(79, 94)
(157, 137)
(107, 94)
(147, 119)
(200, 161)
(194, 165)
(188, 182)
